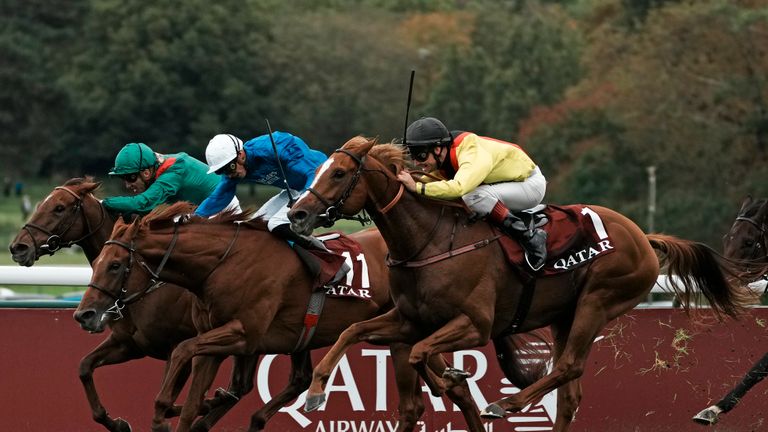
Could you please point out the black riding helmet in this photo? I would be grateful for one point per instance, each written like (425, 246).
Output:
(427, 131)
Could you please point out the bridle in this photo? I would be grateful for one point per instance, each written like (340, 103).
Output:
(759, 249)
(154, 282)
(333, 210)
(333, 214)
(54, 243)
(121, 301)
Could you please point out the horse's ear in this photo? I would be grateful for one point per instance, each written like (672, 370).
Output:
(369, 143)
(746, 203)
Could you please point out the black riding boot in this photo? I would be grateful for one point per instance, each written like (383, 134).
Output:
(533, 240)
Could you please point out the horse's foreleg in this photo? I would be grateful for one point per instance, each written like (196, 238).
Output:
(459, 394)
(301, 375)
(384, 329)
(109, 352)
(204, 370)
(228, 339)
(241, 383)
(459, 333)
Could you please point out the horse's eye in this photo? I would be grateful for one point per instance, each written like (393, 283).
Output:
(749, 243)
(59, 208)
(338, 174)
(115, 266)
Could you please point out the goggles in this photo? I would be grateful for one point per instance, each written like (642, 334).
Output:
(227, 169)
(130, 178)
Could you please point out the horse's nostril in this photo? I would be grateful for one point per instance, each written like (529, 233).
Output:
(298, 215)
(84, 316)
(18, 248)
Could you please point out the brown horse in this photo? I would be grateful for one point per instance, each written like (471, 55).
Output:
(463, 299)
(747, 241)
(71, 214)
(256, 292)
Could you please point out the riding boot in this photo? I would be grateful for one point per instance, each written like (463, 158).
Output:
(533, 240)
(303, 245)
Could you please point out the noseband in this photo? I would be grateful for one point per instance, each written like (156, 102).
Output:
(53, 243)
(154, 282)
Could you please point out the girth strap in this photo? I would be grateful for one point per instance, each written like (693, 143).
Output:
(314, 309)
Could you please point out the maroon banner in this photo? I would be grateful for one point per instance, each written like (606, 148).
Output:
(651, 370)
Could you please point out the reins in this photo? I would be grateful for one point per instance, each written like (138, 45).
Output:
(53, 243)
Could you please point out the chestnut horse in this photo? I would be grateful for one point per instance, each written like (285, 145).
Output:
(256, 293)
(747, 240)
(71, 214)
(461, 300)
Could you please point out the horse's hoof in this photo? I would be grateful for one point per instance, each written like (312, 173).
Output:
(121, 425)
(492, 411)
(313, 402)
(455, 376)
(706, 417)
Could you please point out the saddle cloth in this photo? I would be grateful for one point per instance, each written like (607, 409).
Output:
(575, 236)
(356, 283)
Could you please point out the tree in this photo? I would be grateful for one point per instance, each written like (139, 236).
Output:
(166, 73)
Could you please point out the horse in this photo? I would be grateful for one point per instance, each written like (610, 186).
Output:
(746, 240)
(256, 293)
(453, 288)
(71, 214)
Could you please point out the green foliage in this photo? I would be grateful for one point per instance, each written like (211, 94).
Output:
(515, 62)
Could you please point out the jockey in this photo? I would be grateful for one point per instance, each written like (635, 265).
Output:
(154, 179)
(496, 179)
(255, 162)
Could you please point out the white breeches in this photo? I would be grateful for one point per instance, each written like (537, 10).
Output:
(516, 196)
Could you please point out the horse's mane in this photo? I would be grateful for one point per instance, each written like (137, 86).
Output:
(389, 154)
(167, 213)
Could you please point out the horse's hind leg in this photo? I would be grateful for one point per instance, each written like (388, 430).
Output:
(459, 394)
(240, 384)
(756, 374)
(411, 404)
(569, 394)
(384, 329)
(589, 319)
(301, 376)
(107, 353)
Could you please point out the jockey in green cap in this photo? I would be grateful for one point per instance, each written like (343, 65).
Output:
(153, 179)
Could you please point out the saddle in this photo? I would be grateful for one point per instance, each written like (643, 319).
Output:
(575, 237)
(354, 283)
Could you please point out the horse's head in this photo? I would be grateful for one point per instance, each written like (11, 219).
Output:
(339, 189)
(748, 236)
(58, 221)
(117, 278)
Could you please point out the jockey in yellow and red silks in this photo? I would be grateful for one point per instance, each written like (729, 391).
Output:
(496, 179)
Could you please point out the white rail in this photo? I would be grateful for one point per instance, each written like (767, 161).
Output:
(81, 275)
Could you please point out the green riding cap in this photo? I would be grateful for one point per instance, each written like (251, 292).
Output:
(133, 157)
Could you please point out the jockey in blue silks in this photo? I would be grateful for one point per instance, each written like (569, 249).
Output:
(256, 162)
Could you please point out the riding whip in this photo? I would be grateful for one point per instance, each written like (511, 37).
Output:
(280, 165)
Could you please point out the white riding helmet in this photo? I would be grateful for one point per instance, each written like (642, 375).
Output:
(222, 149)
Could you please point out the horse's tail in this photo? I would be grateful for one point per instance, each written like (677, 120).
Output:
(691, 265)
(523, 357)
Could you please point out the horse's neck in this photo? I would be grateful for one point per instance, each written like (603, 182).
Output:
(95, 214)
(195, 255)
(408, 225)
